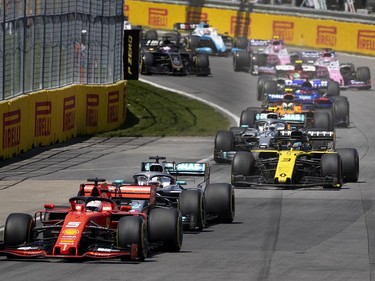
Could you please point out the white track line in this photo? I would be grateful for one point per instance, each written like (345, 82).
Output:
(227, 112)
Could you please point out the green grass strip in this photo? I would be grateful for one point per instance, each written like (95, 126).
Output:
(155, 112)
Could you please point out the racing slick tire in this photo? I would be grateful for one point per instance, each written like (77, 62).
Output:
(165, 225)
(223, 142)
(241, 42)
(260, 59)
(363, 73)
(248, 118)
(147, 61)
(242, 165)
(191, 203)
(333, 89)
(270, 87)
(260, 86)
(220, 201)
(341, 108)
(202, 64)
(241, 61)
(350, 164)
(151, 35)
(133, 230)
(323, 121)
(330, 165)
(193, 42)
(18, 229)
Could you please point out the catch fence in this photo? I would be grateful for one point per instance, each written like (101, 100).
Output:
(48, 44)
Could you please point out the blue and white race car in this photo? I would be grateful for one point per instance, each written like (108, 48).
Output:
(295, 76)
(204, 38)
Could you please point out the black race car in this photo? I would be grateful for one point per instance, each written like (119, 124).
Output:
(168, 57)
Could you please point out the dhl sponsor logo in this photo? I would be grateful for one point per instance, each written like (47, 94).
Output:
(239, 25)
(70, 231)
(326, 35)
(196, 16)
(157, 17)
(69, 113)
(92, 103)
(366, 40)
(283, 29)
(43, 111)
(11, 128)
(113, 107)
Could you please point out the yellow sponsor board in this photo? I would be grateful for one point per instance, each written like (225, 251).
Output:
(298, 31)
(15, 124)
(50, 116)
(41, 122)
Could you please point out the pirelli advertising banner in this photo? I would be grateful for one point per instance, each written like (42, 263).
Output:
(298, 31)
(48, 117)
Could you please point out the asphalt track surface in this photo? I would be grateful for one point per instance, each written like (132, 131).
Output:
(279, 235)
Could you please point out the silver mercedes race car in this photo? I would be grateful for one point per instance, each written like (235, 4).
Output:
(186, 186)
(257, 130)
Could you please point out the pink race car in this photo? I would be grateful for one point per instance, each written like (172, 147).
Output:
(261, 56)
(346, 74)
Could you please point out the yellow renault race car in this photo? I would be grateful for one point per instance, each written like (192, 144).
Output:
(302, 159)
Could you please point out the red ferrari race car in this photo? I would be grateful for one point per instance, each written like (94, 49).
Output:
(93, 226)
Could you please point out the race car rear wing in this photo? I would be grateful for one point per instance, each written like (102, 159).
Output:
(185, 26)
(191, 171)
(309, 56)
(154, 44)
(320, 140)
(298, 83)
(291, 67)
(312, 134)
(137, 192)
(165, 167)
(189, 168)
(259, 42)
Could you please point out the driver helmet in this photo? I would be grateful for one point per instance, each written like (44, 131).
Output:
(298, 68)
(166, 48)
(287, 106)
(307, 84)
(297, 145)
(262, 126)
(94, 206)
(300, 91)
(296, 75)
(142, 181)
(206, 32)
(156, 181)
